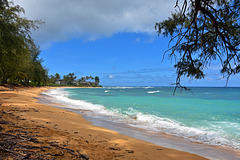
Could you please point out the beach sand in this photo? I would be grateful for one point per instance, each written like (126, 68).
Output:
(33, 130)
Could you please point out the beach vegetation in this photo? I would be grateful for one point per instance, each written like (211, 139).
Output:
(19, 62)
(57, 76)
(69, 79)
(54, 78)
(203, 31)
(97, 80)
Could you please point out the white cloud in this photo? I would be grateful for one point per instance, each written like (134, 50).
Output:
(93, 19)
(110, 76)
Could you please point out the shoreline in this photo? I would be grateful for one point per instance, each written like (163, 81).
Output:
(160, 139)
(93, 141)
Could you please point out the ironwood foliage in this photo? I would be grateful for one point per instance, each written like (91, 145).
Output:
(202, 31)
(19, 60)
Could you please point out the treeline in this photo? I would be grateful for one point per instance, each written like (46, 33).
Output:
(19, 55)
(71, 79)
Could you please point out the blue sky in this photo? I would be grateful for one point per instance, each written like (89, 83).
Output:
(112, 39)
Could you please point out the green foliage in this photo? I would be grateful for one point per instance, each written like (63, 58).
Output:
(203, 31)
(83, 79)
(52, 79)
(68, 79)
(57, 76)
(18, 54)
(186, 68)
(97, 80)
(38, 74)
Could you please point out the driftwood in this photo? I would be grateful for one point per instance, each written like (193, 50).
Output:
(17, 142)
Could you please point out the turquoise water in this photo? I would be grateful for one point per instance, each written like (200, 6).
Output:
(207, 115)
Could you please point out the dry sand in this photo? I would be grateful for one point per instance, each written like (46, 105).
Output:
(34, 131)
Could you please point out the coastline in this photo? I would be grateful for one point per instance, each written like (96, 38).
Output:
(161, 139)
(72, 130)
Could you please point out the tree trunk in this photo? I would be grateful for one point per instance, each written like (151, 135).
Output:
(4, 78)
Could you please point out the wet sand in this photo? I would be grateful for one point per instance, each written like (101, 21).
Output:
(52, 132)
(160, 139)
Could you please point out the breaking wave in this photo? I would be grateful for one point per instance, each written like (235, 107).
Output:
(145, 121)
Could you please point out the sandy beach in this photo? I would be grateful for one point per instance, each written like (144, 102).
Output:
(36, 131)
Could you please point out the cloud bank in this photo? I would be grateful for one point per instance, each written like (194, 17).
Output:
(93, 19)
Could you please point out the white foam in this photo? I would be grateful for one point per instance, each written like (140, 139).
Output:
(147, 87)
(126, 87)
(145, 121)
(169, 126)
(151, 92)
(118, 87)
(62, 96)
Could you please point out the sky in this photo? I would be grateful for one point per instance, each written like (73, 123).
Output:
(112, 39)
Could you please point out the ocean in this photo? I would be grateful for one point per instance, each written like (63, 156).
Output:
(206, 115)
